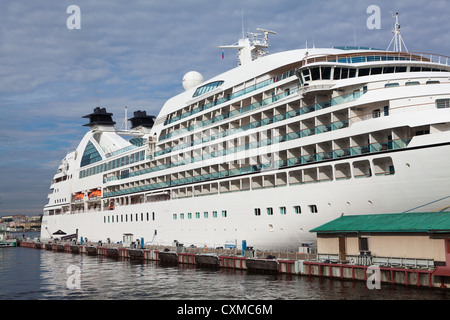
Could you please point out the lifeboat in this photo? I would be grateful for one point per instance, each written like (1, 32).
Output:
(95, 193)
(79, 196)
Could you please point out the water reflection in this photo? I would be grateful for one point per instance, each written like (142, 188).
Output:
(41, 274)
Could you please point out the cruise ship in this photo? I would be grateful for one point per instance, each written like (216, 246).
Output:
(265, 152)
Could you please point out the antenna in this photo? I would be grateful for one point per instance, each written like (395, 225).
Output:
(397, 38)
(243, 32)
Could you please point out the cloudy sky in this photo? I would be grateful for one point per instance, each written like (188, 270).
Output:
(135, 53)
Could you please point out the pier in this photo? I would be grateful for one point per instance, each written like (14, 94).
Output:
(302, 264)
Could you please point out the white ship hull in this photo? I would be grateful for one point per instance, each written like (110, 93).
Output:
(422, 186)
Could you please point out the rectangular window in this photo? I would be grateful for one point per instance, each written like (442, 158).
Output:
(257, 211)
(391, 84)
(214, 214)
(182, 216)
(197, 215)
(174, 216)
(315, 73)
(337, 74)
(363, 72)
(147, 216)
(189, 215)
(442, 103)
(153, 216)
(142, 216)
(363, 244)
(313, 208)
(224, 213)
(283, 210)
(297, 209)
(376, 113)
(205, 214)
(270, 211)
(326, 73)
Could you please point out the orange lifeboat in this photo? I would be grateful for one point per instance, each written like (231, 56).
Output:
(95, 193)
(79, 196)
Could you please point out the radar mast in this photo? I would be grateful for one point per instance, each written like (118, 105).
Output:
(251, 49)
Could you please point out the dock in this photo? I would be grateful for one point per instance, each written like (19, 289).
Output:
(302, 264)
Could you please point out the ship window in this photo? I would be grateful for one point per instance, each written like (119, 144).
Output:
(364, 72)
(214, 214)
(376, 71)
(270, 211)
(182, 216)
(297, 209)
(376, 113)
(206, 88)
(390, 85)
(442, 103)
(257, 211)
(90, 155)
(433, 82)
(326, 73)
(306, 75)
(147, 216)
(337, 74)
(344, 74)
(400, 69)
(412, 83)
(224, 213)
(205, 214)
(388, 70)
(283, 210)
(189, 215)
(142, 216)
(197, 215)
(414, 69)
(315, 73)
(352, 73)
(313, 208)
(153, 216)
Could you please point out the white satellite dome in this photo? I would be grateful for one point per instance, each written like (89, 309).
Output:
(192, 79)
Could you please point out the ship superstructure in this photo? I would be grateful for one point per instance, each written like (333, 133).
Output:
(265, 152)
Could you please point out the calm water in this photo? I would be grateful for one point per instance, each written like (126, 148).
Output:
(32, 274)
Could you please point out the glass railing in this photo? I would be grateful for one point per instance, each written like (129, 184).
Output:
(318, 106)
(120, 151)
(306, 159)
(232, 96)
(230, 114)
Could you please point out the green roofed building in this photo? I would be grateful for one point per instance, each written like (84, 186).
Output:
(424, 235)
